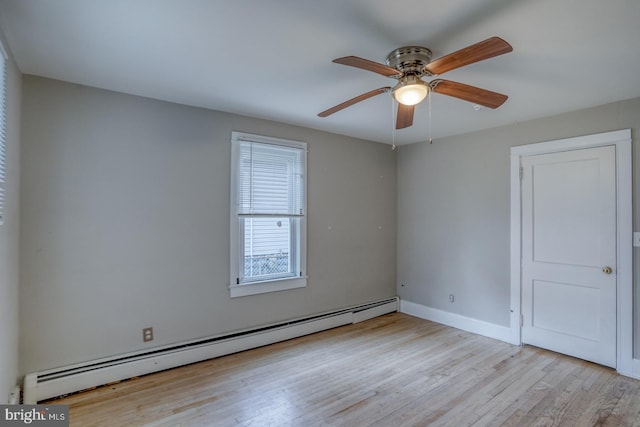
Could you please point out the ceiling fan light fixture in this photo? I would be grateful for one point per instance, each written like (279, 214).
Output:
(410, 91)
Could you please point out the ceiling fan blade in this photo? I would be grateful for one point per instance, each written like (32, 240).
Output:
(365, 64)
(465, 92)
(486, 49)
(405, 116)
(355, 100)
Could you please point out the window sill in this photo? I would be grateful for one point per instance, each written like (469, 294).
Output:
(267, 286)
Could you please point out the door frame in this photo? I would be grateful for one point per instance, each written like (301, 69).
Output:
(621, 139)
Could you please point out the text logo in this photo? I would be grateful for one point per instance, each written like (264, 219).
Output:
(34, 415)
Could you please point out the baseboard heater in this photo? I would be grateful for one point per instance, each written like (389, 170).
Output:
(68, 379)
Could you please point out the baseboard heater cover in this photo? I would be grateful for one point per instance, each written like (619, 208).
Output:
(38, 386)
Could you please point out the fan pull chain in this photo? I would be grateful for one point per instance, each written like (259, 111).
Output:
(393, 127)
(430, 127)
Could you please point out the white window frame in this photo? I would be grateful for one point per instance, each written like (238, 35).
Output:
(299, 235)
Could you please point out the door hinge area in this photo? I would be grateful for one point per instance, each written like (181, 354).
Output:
(521, 173)
(521, 320)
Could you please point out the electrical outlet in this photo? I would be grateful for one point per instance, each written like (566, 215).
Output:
(452, 298)
(147, 334)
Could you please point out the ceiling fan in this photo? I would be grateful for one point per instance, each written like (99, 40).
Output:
(410, 64)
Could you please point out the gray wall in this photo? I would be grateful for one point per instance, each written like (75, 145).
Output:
(125, 221)
(9, 240)
(453, 211)
(125, 224)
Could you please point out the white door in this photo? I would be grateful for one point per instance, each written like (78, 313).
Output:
(569, 253)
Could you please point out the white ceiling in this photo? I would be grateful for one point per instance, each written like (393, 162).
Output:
(272, 59)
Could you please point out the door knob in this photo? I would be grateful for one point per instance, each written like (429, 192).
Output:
(607, 270)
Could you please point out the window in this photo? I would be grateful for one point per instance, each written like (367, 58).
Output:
(268, 214)
(3, 132)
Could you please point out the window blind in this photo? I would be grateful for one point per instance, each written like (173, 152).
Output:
(270, 180)
(3, 132)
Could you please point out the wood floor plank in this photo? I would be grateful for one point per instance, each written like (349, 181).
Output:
(394, 370)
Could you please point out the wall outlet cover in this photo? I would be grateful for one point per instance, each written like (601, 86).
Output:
(147, 334)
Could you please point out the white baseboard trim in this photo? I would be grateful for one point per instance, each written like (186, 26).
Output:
(635, 370)
(480, 327)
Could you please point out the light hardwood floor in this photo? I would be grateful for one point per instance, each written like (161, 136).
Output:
(394, 370)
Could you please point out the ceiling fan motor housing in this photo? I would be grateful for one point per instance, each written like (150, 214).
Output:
(410, 60)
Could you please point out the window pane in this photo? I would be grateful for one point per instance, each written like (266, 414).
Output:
(267, 247)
